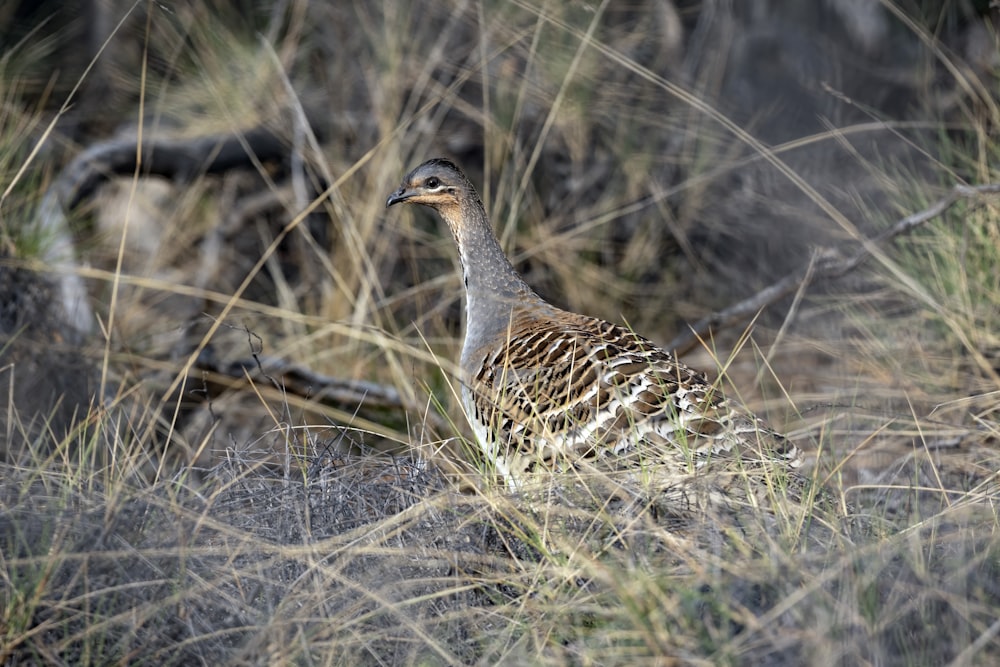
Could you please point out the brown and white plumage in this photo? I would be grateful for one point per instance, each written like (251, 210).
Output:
(545, 388)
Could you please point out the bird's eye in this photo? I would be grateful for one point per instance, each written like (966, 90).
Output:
(433, 182)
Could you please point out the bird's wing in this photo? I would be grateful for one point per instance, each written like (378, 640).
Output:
(579, 386)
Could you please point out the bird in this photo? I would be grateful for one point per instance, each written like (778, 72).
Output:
(546, 389)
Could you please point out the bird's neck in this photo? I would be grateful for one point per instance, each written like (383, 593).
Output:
(492, 287)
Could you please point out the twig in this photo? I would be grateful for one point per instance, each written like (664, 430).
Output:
(170, 157)
(300, 381)
(176, 159)
(827, 263)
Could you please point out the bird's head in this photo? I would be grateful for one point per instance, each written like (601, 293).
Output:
(436, 183)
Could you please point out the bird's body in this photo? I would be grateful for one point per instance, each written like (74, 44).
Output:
(548, 389)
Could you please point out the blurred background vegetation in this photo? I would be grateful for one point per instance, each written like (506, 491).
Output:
(197, 271)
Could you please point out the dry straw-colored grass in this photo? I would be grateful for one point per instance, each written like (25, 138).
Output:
(641, 165)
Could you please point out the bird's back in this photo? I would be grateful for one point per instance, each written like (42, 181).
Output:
(562, 387)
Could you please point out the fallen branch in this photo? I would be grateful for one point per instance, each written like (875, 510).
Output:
(170, 157)
(299, 381)
(180, 160)
(826, 263)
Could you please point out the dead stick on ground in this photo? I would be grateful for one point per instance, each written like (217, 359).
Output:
(300, 381)
(827, 263)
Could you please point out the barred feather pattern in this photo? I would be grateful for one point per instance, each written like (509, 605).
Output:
(570, 387)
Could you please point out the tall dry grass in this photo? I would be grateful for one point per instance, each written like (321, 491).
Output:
(635, 170)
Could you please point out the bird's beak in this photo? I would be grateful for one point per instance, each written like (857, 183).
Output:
(400, 195)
